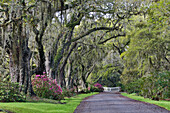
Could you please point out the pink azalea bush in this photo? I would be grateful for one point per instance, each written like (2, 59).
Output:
(98, 85)
(97, 88)
(46, 87)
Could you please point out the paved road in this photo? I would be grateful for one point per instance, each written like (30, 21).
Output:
(115, 103)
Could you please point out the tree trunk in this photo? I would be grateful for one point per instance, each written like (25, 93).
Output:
(69, 74)
(13, 67)
(62, 76)
(47, 64)
(20, 56)
(41, 64)
(20, 67)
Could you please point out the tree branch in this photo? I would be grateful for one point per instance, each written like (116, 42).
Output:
(93, 30)
(117, 48)
(68, 55)
(13, 20)
(88, 73)
(111, 38)
(166, 59)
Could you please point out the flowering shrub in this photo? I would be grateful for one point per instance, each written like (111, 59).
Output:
(97, 88)
(46, 87)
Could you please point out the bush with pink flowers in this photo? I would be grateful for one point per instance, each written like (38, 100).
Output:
(97, 88)
(46, 87)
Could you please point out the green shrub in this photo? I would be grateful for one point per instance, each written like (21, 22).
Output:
(153, 86)
(9, 92)
(87, 90)
(69, 92)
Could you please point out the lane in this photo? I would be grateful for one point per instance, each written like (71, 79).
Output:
(116, 103)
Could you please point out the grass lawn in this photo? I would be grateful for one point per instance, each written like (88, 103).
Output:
(40, 107)
(162, 103)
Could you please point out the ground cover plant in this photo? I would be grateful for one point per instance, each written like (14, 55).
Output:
(161, 103)
(68, 106)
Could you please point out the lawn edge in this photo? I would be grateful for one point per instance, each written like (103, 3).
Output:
(143, 100)
(76, 96)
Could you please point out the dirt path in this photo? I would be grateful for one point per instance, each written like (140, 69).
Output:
(116, 103)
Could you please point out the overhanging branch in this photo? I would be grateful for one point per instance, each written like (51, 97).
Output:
(111, 38)
(93, 30)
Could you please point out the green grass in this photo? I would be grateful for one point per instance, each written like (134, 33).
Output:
(40, 107)
(161, 103)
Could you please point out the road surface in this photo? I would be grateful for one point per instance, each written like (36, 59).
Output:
(116, 103)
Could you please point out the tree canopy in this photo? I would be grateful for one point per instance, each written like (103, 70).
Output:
(81, 42)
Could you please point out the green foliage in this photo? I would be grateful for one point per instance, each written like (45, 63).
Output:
(87, 90)
(146, 60)
(9, 92)
(153, 86)
(58, 55)
(95, 89)
(97, 22)
(69, 92)
(108, 73)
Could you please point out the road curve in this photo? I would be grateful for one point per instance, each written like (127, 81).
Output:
(116, 103)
